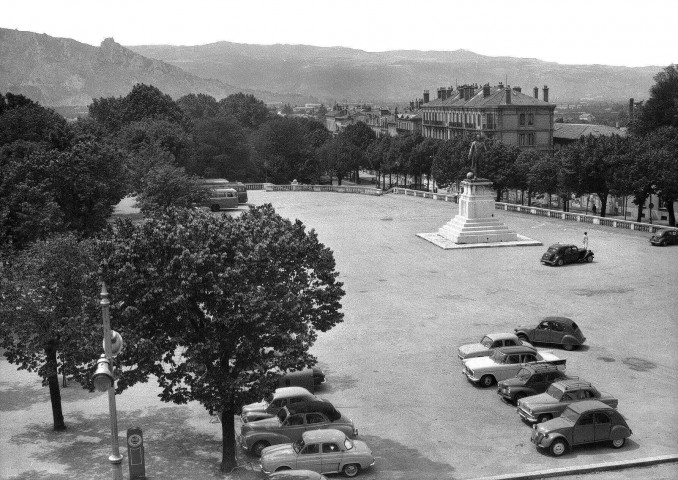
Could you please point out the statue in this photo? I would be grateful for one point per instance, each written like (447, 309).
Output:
(475, 154)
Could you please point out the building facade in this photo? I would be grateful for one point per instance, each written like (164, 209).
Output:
(500, 112)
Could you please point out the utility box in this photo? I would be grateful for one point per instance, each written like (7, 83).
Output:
(135, 454)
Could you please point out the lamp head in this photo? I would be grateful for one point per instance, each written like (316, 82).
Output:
(103, 378)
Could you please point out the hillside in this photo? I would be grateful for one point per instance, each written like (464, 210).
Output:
(344, 74)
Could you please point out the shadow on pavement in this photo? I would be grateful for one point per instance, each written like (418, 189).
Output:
(19, 396)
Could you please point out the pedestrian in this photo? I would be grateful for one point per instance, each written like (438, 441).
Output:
(586, 241)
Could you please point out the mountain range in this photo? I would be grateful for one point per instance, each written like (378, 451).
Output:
(64, 72)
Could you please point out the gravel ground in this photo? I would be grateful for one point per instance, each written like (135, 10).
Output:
(392, 366)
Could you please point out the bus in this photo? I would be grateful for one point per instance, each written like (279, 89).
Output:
(219, 183)
(222, 198)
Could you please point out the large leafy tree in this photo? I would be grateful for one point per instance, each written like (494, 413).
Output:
(450, 163)
(661, 151)
(361, 136)
(218, 306)
(499, 165)
(661, 109)
(48, 313)
(23, 119)
(249, 111)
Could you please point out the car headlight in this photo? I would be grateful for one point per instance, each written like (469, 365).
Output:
(508, 390)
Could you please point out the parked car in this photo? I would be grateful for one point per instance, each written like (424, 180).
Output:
(589, 421)
(296, 475)
(281, 397)
(530, 380)
(561, 394)
(488, 343)
(559, 330)
(308, 378)
(560, 254)
(324, 451)
(504, 363)
(289, 424)
(664, 238)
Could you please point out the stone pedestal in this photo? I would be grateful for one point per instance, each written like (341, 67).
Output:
(476, 222)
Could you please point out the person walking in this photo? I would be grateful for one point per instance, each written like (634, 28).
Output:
(586, 241)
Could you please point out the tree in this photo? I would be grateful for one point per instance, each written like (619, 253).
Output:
(23, 119)
(661, 109)
(287, 109)
(450, 163)
(45, 311)
(165, 186)
(542, 176)
(219, 305)
(198, 106)
(250, 112)
(661, 149)
(498, 164)
(361, 136)
(524, 163)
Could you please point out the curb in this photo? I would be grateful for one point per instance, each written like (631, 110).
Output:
(597, 467)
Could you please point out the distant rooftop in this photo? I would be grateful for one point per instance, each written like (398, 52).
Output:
(573, 131)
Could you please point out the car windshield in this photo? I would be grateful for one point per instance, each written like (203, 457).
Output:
(555, 392)
(282, 414)
(524, 374)
(298, 445)
(552, 249)
(486, 342)
(498, 356)
(569, 414)
(348, 443)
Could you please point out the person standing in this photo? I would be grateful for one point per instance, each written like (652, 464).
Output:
(586, 241)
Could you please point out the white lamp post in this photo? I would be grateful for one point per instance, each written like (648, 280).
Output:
(103, 380)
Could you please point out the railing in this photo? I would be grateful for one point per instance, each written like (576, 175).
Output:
(443, 196)
(269, 187)
(580, 217)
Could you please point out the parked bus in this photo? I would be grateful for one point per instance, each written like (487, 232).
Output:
(222, 198)
(223, 183)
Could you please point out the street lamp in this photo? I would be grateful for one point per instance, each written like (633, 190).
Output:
(104, 381)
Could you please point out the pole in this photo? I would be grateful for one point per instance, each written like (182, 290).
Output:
(115, 458)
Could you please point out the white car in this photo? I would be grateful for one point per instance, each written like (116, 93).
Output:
(488, 343)
(504, 363)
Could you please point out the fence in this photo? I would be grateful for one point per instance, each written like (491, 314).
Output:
(453, 197)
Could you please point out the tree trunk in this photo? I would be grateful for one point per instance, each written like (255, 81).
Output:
(639, 217)
(357, 176)
(529, 197)
(228, 461)
(603, 203)
(669, 209)
(53, 382)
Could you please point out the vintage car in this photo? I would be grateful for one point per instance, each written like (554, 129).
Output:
(323, 451)
(308, 378)
(550, 404)
(530, 380)
(664, 238)
(504, 363)
(281, 397)
(589, 421)
(290, 422)
(559, 330)
(285, 474)
(560, 254)
(488, 343)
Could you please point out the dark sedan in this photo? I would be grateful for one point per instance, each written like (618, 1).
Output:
(559, 330)
(560, 254)
(664, 238)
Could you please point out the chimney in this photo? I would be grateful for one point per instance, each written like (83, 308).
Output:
(486, 90)
(508, 95)
(441, 92)
(411, 105)
(501, 85)
(450, 92)
(631, 107)
(517, 89)
(536, 92)
(546, 93)
(426, 96)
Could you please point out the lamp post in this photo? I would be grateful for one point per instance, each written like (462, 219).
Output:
(103, 380)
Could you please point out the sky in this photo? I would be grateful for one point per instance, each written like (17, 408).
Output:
(610, 32)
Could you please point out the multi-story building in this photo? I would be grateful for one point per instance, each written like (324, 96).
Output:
(500, 112)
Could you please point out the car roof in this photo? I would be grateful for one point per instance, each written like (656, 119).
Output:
(517, 349)
(290, 392)
(561, 245)
(501, 336)
(573, 383)
(563, 320)
(323, 435)
(543, 367)
(586, 405)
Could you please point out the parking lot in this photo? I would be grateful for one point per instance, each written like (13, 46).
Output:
(392, 365)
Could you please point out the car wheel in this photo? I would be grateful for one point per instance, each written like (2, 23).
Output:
(568, 346)
(589, 258)
(351, 470)
(558, 447)
(486, 381)
(544, 418)
(214, 208)
(560, 262)
(618, 443)
(258, 447)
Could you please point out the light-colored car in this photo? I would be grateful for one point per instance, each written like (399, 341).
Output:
(504, 363)
(281, 397)
(290, 423)
(589, 421)
(488, 343)
(550, 404)
(296, 475)
(324, 451)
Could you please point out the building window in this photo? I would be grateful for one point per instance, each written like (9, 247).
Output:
(521, 138)
(522, 119)
(530, 138)
(530, 118)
